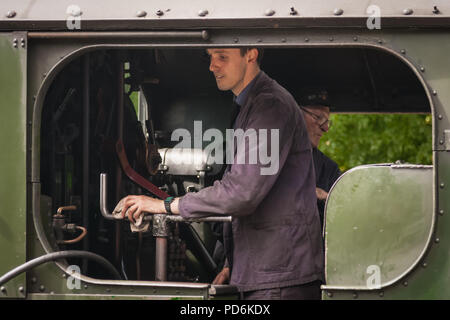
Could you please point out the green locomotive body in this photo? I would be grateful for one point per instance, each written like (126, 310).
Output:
(79, 81)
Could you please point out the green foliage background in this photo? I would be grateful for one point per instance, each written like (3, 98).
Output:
(356, 139)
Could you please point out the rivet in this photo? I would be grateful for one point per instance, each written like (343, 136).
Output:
(441, 142)
(86, 286)
(424, 264)
(203, 13)
(21, 289)
(403, 51)
(338, 11)
(41, 288)
(11, 14)
(437, 240)
(405, 283)
(269, 12)
(380, 41)
(441, 212)
(422, 69)
(407, 12)
(141, 14)
(22, 42)
(381, 294)
(293, 11)
(205, 35)
(159, 13)
(306, 39)
(3, 290)
(355, 38)
(108, 290)
(33, 280)
(442, 185)
(44, 75)
(434, 92)
(235, 40)
(331, 38)
(154, 291)
(259, 40)
(355, 295)
(283, 40)
(64, 275)
(330, 294)
(440, 117)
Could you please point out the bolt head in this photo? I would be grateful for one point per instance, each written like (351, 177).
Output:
(203, 13)
(441, 212)
(440, 117)
(434, 92)
(330, 294)
(442, 185)
(408, 11)
(21, 289)
(338, 12)
(11, 14)
(141, 14)
(437, 240)
(41, 288)
(3, 289)
(269, 12)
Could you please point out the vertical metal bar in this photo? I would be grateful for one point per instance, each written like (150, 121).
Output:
(85, 188)
(120, 114)
(161, 259)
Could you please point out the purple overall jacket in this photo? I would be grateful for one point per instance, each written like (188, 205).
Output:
(276, 236)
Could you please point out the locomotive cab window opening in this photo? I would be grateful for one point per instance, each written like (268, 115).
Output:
(140, 97)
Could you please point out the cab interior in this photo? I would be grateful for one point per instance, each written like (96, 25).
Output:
(140, 96)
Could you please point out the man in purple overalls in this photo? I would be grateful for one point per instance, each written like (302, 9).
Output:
(273, 245)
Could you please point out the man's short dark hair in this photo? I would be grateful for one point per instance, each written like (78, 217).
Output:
(260, 53)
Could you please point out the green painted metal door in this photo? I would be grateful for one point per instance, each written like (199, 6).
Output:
(13, 71)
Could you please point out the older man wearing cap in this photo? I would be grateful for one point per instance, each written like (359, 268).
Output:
(315, 105)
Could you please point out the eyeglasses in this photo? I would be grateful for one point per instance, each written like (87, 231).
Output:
(321, 120)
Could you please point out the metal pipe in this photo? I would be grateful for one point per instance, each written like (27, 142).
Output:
(178, 218)
(86, 134)
(58, 256)
(104, 198)
(161, 259)
(121, 35)
(120, 115)
(77, 239)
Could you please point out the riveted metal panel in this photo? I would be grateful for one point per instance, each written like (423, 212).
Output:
(13, 57)
(142, 14)
(379, 220)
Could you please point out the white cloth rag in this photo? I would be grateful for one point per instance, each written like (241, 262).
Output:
(139, 226)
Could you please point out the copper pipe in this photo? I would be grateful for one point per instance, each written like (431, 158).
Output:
(77, 239)
(66, 208)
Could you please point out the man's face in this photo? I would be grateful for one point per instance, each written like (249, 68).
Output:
(314, 116)
(229, 68)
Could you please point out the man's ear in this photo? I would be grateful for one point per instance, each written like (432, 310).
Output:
(252, 55)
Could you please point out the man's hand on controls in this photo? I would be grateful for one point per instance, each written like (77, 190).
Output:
(321, 194)
(137, 205)
(223, 277)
